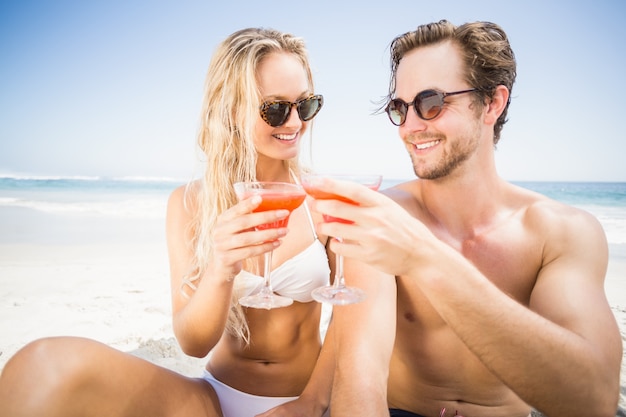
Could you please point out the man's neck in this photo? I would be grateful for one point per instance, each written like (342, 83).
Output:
(462, 205)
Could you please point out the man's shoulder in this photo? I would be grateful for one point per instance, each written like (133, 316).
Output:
(403, 191)
(557, 220)
(544, 209)
(405, 194)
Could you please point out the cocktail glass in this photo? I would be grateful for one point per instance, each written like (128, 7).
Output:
(338, 293)
(275, 196)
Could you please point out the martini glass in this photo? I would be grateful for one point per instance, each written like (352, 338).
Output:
(275, 196)
(338, 293)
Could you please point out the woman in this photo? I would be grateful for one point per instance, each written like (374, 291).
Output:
(258, 102)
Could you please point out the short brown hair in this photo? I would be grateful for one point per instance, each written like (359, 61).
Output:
(486, 52)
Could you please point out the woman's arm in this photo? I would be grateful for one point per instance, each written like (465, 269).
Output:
(199, 317)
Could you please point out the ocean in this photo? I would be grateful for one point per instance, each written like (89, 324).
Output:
(146, 198)
(89, 196)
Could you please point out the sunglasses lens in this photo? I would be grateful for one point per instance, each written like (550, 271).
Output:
(428, 104)
(396, 110)
(276, 113)
(308, 108)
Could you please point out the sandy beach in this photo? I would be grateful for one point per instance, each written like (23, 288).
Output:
(107, 279)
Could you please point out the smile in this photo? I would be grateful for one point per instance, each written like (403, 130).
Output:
(286, 137)
(426, 145)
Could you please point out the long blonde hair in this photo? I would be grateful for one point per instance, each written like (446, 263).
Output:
(229, 113)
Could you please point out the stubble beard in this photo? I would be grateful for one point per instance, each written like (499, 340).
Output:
(460, 150)
(451, 160)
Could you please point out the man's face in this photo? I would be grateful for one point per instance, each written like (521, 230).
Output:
(439, 146)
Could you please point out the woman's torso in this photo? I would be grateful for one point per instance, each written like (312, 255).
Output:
(284, 342)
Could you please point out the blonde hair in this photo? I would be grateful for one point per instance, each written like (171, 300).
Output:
(229, 113)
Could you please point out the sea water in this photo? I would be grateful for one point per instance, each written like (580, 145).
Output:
(89, 196)
(146, 198)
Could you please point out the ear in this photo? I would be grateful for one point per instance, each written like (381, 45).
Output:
(497, 105)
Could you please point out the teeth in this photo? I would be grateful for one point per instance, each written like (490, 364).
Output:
(286, 137)
(426, 145)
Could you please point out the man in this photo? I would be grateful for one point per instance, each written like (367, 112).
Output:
(483, 299)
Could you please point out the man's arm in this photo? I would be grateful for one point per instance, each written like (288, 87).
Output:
(364, 335)
(562, 355)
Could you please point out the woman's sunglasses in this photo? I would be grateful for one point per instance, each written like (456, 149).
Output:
(427, 104)
(276, 113)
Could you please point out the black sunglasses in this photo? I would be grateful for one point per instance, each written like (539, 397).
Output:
(276, 113)
(427, 104)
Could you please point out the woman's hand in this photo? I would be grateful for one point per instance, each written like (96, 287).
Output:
(235, 238)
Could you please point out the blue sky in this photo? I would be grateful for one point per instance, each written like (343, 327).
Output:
(113, 88)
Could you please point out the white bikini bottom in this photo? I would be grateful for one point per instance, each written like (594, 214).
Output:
(236, 403)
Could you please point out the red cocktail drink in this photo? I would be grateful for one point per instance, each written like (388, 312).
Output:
(323, 195)
(274, 196)
(338, 293)
(275, 201)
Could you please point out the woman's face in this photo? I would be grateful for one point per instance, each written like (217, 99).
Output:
(281, 76)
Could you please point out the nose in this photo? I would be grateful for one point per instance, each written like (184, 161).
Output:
(412, 122)
(294, 117)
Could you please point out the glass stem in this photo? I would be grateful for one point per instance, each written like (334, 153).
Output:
(267, 284)
(339, 278)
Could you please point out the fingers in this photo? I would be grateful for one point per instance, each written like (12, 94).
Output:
(234, 256)
(357, 205)
(370, 226)
(349, 190)
(337, 198)
(241, 217)
(235, 236)
(248, 205)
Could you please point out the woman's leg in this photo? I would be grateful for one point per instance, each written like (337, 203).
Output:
(68, 376)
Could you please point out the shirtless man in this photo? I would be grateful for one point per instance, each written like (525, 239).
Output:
(483, 298)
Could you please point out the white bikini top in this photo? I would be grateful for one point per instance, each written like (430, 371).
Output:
(296, 277)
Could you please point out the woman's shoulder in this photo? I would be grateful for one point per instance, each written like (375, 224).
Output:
(184, 197)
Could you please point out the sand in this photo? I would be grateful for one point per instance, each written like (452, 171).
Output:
(108, 280)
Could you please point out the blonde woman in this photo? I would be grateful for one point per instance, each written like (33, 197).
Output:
(259, 100)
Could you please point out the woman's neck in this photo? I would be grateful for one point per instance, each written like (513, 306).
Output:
(277, 171)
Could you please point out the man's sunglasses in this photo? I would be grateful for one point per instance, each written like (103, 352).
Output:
(276, 113)
(427, 104)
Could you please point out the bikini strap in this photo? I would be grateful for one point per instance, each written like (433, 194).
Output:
(306, 206)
